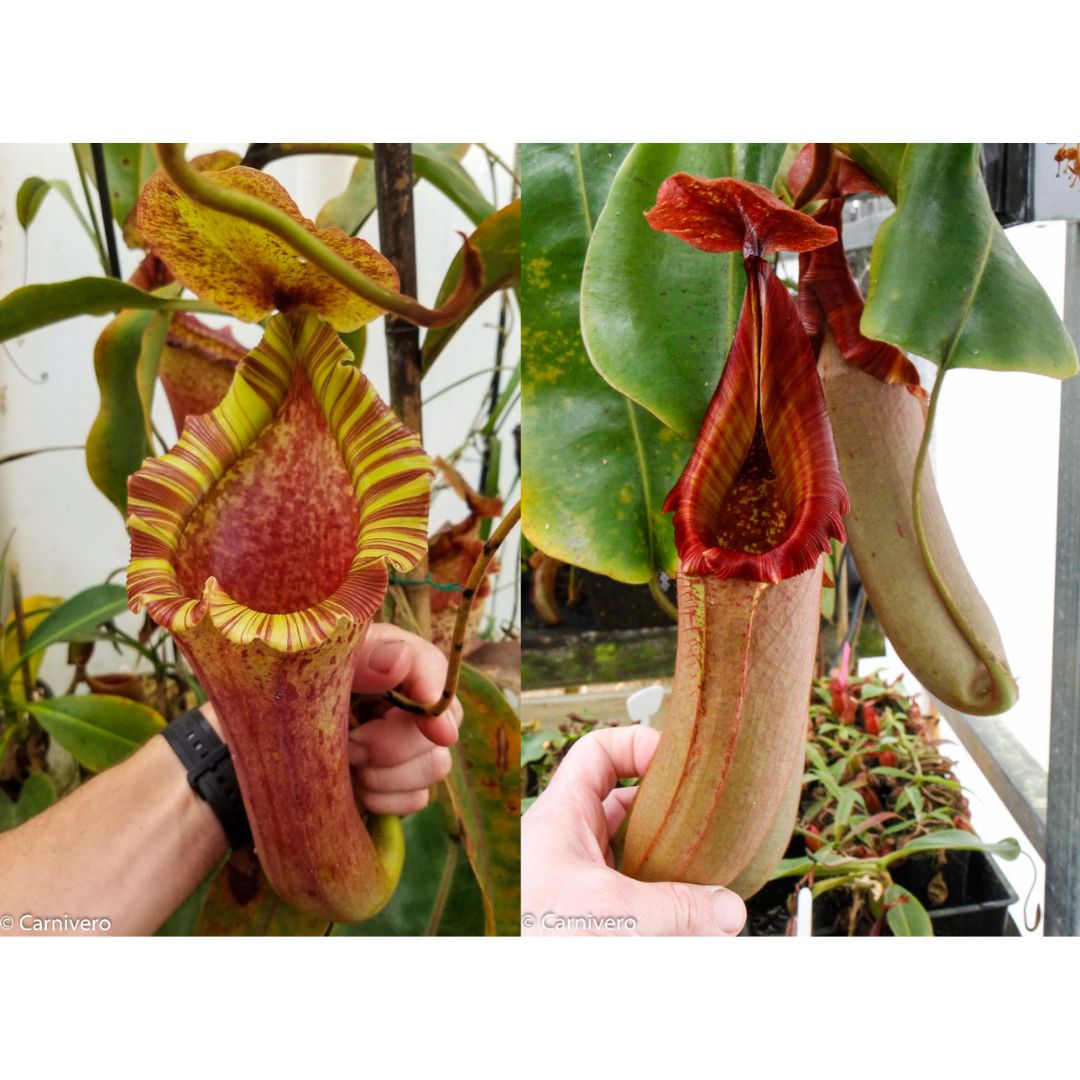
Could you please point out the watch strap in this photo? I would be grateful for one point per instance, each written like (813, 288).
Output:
(210, 771)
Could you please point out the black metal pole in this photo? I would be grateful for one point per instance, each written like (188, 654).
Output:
(101, 176)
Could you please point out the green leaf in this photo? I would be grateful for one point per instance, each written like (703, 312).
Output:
(438, 892)
(440, 167)
(35, 306)
(906, 916)
(946, 284)
(532, 744)
(349, 210)
(796, 868)
(485, 789)
(118, 441)
(356, 342)
(98, 730)
(240, 902)
(880, 160)
(498, 239)
(599, 466)
(32, 194)
(38, 793)
(658, 316)
(81, 612)
(956, 840)
(127, 166)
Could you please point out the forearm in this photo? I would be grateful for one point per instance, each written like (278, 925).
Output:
(127, 846)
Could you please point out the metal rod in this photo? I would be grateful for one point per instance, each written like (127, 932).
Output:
(1063, 796)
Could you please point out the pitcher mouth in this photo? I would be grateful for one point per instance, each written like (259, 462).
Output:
(294, 596)
(761, 497)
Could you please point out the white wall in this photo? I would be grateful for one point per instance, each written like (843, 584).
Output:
(68, 536)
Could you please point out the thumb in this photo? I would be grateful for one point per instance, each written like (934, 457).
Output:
(667, 908)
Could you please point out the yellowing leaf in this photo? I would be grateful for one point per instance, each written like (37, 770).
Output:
(35, 608)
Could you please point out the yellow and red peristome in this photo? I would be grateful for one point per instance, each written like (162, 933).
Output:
(262, 542)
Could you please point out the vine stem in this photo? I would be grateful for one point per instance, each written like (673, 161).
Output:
(970, 636)
(472, 586)
(238, 204)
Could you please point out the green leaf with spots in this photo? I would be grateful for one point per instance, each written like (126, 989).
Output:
(658, 316)
(598, 466)
(438, 893)
(485, 790)
(946, 284)
(97, 730)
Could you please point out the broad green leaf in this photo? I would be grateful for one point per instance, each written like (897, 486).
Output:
(957, 840)
(118, 443)
(906, 916)
(35, 306)
(658, 316)
(498, 239)
(32, 193)
(599, 466)
(241, 903)
(946, 284)
(485, 789)
(98, 730)
(438, 892)
(349, 210)
(38, 793)
(83, 611)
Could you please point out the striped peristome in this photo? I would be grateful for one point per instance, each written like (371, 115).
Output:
(388, 469)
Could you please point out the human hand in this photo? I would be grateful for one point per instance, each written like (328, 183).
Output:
(398, 756)
(567, 861)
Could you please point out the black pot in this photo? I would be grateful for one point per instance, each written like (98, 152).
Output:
(978, 901)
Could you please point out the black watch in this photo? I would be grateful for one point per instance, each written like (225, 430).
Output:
(211, 773)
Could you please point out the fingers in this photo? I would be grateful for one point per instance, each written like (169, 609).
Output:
(390, 658)
(396, 738)
(421, 772)
(600, 759)
(616, 806)
(672, 908)
(398, 803)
